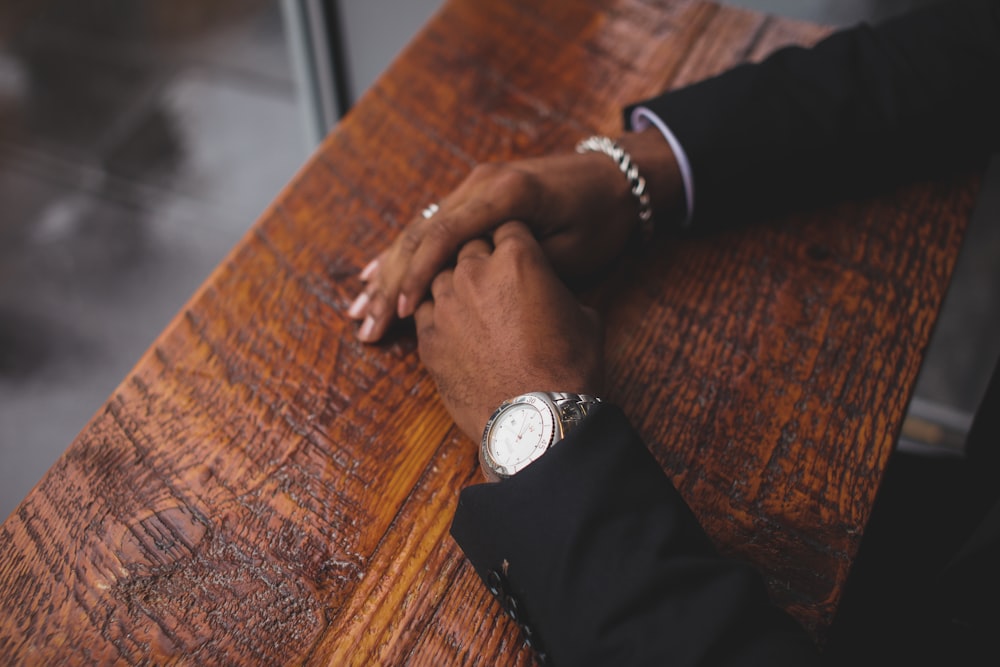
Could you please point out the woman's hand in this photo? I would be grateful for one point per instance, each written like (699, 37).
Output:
(578, 206)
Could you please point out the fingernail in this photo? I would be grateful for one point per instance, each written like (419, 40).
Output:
(401, 306)
(357, 308)
(369, 270)
(366, 328)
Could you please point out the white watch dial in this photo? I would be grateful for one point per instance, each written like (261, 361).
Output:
(516, 435)
(520, 434)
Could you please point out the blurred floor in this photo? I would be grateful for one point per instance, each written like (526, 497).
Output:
(132, 158)
(139, 139)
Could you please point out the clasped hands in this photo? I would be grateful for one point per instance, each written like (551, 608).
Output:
(501, 323)
(481, 277)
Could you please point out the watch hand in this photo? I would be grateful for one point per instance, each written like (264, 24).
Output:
(524, 425)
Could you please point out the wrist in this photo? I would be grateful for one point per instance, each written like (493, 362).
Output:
(656, 161)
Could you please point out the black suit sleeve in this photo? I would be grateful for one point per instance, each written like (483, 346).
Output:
(602, 561)
(861, 110)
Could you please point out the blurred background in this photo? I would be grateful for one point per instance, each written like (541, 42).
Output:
(139, 140)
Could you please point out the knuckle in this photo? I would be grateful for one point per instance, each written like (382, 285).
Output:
(410, 239)
(440, 231)
(518, 182)
(518, 249)
(485, 171)
(508, 177)
(462, 272)
(442, 285)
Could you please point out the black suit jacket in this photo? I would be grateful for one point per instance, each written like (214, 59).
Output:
(863, 109)
(591, 549)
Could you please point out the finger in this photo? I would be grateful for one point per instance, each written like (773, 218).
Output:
(475, 248)
(361, 307)
(375, 309)
(376, 305)
(358, 309)
(491, 195)
(423, 318)
(442, 285)
(440, 239)
(377, 319)
(370, 270)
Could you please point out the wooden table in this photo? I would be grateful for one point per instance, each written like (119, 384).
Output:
(262, 488)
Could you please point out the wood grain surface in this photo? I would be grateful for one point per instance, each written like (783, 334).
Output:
(262, 489)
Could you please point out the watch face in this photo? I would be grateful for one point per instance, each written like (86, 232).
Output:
(519, 434)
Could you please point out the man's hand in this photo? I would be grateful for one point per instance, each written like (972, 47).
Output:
(579, 207)
(502, 324)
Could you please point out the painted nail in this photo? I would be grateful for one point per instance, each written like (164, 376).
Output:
(369, 271)
(402, 306)
(357, 308)
(366, 328)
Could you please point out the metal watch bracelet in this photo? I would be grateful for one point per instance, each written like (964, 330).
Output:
(572, 407)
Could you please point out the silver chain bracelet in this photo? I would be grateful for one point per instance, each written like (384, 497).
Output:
(637, 184)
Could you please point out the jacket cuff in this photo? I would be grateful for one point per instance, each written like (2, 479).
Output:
(594, 553)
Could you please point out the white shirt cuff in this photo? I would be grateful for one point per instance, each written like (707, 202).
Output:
(643, 118)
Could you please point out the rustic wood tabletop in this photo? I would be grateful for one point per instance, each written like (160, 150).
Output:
(263, 489)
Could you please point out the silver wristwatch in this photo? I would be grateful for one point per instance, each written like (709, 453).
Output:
(523, 428)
